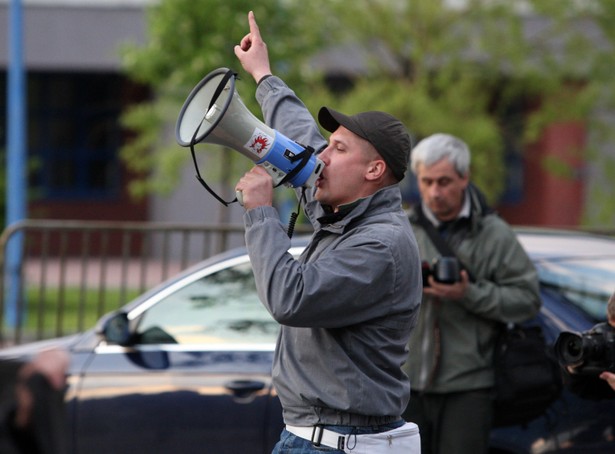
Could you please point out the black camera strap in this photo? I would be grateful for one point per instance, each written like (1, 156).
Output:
(439, 242)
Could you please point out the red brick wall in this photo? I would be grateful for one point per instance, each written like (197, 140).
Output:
(551, 198)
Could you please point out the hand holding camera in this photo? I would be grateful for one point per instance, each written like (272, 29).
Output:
(445, 278)
(609, 377)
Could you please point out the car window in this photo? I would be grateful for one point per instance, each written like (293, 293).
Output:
(220, 308)
(588, 283)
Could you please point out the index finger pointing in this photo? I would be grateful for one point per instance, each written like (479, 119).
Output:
(254, 30)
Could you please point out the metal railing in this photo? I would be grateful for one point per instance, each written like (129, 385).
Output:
(73, 272)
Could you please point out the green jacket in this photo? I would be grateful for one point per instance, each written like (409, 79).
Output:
(451, 349)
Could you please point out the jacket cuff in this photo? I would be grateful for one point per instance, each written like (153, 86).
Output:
(267, 85)
(263, 78)
(260, 215)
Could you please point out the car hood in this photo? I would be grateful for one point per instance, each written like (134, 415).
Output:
(32, 348)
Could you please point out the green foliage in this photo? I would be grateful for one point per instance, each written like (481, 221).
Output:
(490, 71)
(187, 39)
(474, 71)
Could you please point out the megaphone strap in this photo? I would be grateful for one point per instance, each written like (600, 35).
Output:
(227, 75)
(230, 73)
(205, 185)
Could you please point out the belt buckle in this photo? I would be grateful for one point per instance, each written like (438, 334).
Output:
(317, 433)
(319, 437)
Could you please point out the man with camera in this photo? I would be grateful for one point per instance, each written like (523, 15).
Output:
(450, 362)
(589, 358)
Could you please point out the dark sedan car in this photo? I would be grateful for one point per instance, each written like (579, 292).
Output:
(186, 366)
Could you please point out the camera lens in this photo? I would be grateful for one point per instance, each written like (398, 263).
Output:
(574, 348)
(446, 270)
(569, 348)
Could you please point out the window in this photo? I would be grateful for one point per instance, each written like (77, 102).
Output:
(74, 134)
(586, 282)
(220, 308)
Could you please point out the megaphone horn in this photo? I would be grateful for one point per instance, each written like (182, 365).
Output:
(214, 113)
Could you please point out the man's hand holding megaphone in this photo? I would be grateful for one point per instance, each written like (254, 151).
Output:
(255, 188)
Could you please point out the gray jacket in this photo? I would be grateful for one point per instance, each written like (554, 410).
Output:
(452, 347)
(347, 305)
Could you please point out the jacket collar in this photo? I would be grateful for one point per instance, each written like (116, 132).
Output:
(465, 211)
(384, 200)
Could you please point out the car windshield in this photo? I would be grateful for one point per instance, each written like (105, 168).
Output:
(586, 282)
(219, 308)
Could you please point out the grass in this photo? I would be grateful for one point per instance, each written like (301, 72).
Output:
(59, 311)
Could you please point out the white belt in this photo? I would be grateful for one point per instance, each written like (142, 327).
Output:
(320, 436)
(404, 439)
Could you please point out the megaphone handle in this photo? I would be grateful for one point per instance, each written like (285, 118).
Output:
(239, 197)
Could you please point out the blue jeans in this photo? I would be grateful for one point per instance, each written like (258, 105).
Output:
(291, 444)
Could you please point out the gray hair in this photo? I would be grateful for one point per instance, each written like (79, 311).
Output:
(441, 146)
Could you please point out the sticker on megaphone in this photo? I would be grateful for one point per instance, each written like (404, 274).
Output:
(214, 113)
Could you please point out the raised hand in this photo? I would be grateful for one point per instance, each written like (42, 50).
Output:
(252, 52)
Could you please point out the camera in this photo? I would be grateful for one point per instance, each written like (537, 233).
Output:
(590, 352)
(445, 270)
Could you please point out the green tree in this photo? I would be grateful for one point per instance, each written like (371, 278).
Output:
(495, 73)
(187, 39)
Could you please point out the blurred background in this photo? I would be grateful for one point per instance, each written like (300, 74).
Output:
(526, 83)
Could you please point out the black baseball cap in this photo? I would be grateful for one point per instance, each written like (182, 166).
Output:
(386, 133)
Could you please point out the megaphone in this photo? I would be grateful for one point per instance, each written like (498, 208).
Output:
(214, 113)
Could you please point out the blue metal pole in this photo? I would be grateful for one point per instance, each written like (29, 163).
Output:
(16, 161)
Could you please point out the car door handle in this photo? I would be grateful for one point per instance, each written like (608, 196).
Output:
(243, 388)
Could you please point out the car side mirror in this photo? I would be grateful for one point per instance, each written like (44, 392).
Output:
(116, 329)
